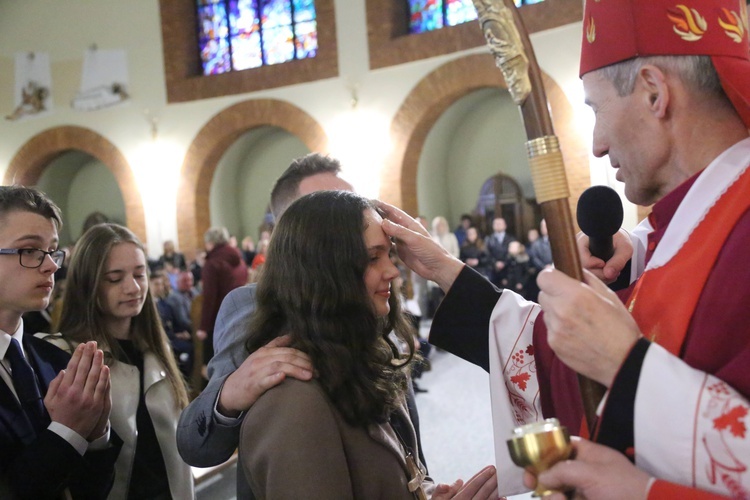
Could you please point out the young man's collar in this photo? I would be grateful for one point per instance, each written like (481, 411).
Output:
(5, 339)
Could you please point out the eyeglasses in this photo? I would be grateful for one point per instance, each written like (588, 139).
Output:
(33, 258)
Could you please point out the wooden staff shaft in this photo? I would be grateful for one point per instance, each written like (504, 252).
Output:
(509, 42)
(538, 123)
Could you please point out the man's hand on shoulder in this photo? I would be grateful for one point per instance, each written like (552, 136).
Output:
(262, 370)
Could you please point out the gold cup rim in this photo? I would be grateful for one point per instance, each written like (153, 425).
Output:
(519, 446)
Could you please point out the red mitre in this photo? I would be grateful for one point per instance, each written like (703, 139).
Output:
(617, 30)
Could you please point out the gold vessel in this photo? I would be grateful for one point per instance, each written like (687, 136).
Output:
(537, 447)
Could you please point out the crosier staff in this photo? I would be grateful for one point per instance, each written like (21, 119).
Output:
(508, 41)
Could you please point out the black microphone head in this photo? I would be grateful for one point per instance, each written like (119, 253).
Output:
(599, 212)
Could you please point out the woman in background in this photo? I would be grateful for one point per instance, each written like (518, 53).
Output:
(107, 299)
(441, 232)
(474, 253)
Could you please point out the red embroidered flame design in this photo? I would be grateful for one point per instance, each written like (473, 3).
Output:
(732, 24)
(688, 23)
(591, 30)
(732, 420)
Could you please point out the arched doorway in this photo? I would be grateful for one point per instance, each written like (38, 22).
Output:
(41, 151)
(209, 147)
(501, 196)
(245, 175)
(81, 185)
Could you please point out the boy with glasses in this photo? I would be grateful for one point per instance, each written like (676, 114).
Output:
(54, 408)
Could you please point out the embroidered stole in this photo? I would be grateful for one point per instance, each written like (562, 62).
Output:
(663, 296)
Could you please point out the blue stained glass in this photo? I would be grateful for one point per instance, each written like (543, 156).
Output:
(276, 13)
(246, 52)
(243, 34)
(306, 42)
(215, 56)
(304, 10)
(243, 16)
(278, 44)
(459, 12)
(426, 15)
(212, 21)
(429, 15)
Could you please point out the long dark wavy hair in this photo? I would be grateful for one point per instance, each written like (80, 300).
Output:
(312, 288)
(83, 317)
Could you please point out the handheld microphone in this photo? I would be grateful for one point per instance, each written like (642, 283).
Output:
(599, 216)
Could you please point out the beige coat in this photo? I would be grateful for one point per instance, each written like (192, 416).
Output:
(164, 414)
(295, 444)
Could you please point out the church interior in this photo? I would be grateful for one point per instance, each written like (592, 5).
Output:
(421, 120)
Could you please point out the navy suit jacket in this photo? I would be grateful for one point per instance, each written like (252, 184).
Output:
(37, 463)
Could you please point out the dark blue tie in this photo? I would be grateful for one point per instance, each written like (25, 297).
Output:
(26, 385)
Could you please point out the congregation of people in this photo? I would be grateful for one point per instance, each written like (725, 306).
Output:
(301, 354)
(501, 258)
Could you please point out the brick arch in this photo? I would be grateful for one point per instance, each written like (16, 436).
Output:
(35, 156)
(212, 141)
(434, 94)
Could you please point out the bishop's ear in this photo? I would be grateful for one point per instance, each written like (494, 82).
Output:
(651, 83)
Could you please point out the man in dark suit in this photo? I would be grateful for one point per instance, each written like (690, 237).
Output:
(497, 246)
(59, 444)
(540, 250)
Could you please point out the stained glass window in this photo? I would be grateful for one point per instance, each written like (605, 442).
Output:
(429, 15)
(241, 34)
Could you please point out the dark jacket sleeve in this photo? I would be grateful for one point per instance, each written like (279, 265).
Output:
(616, 425)
(49, 464)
